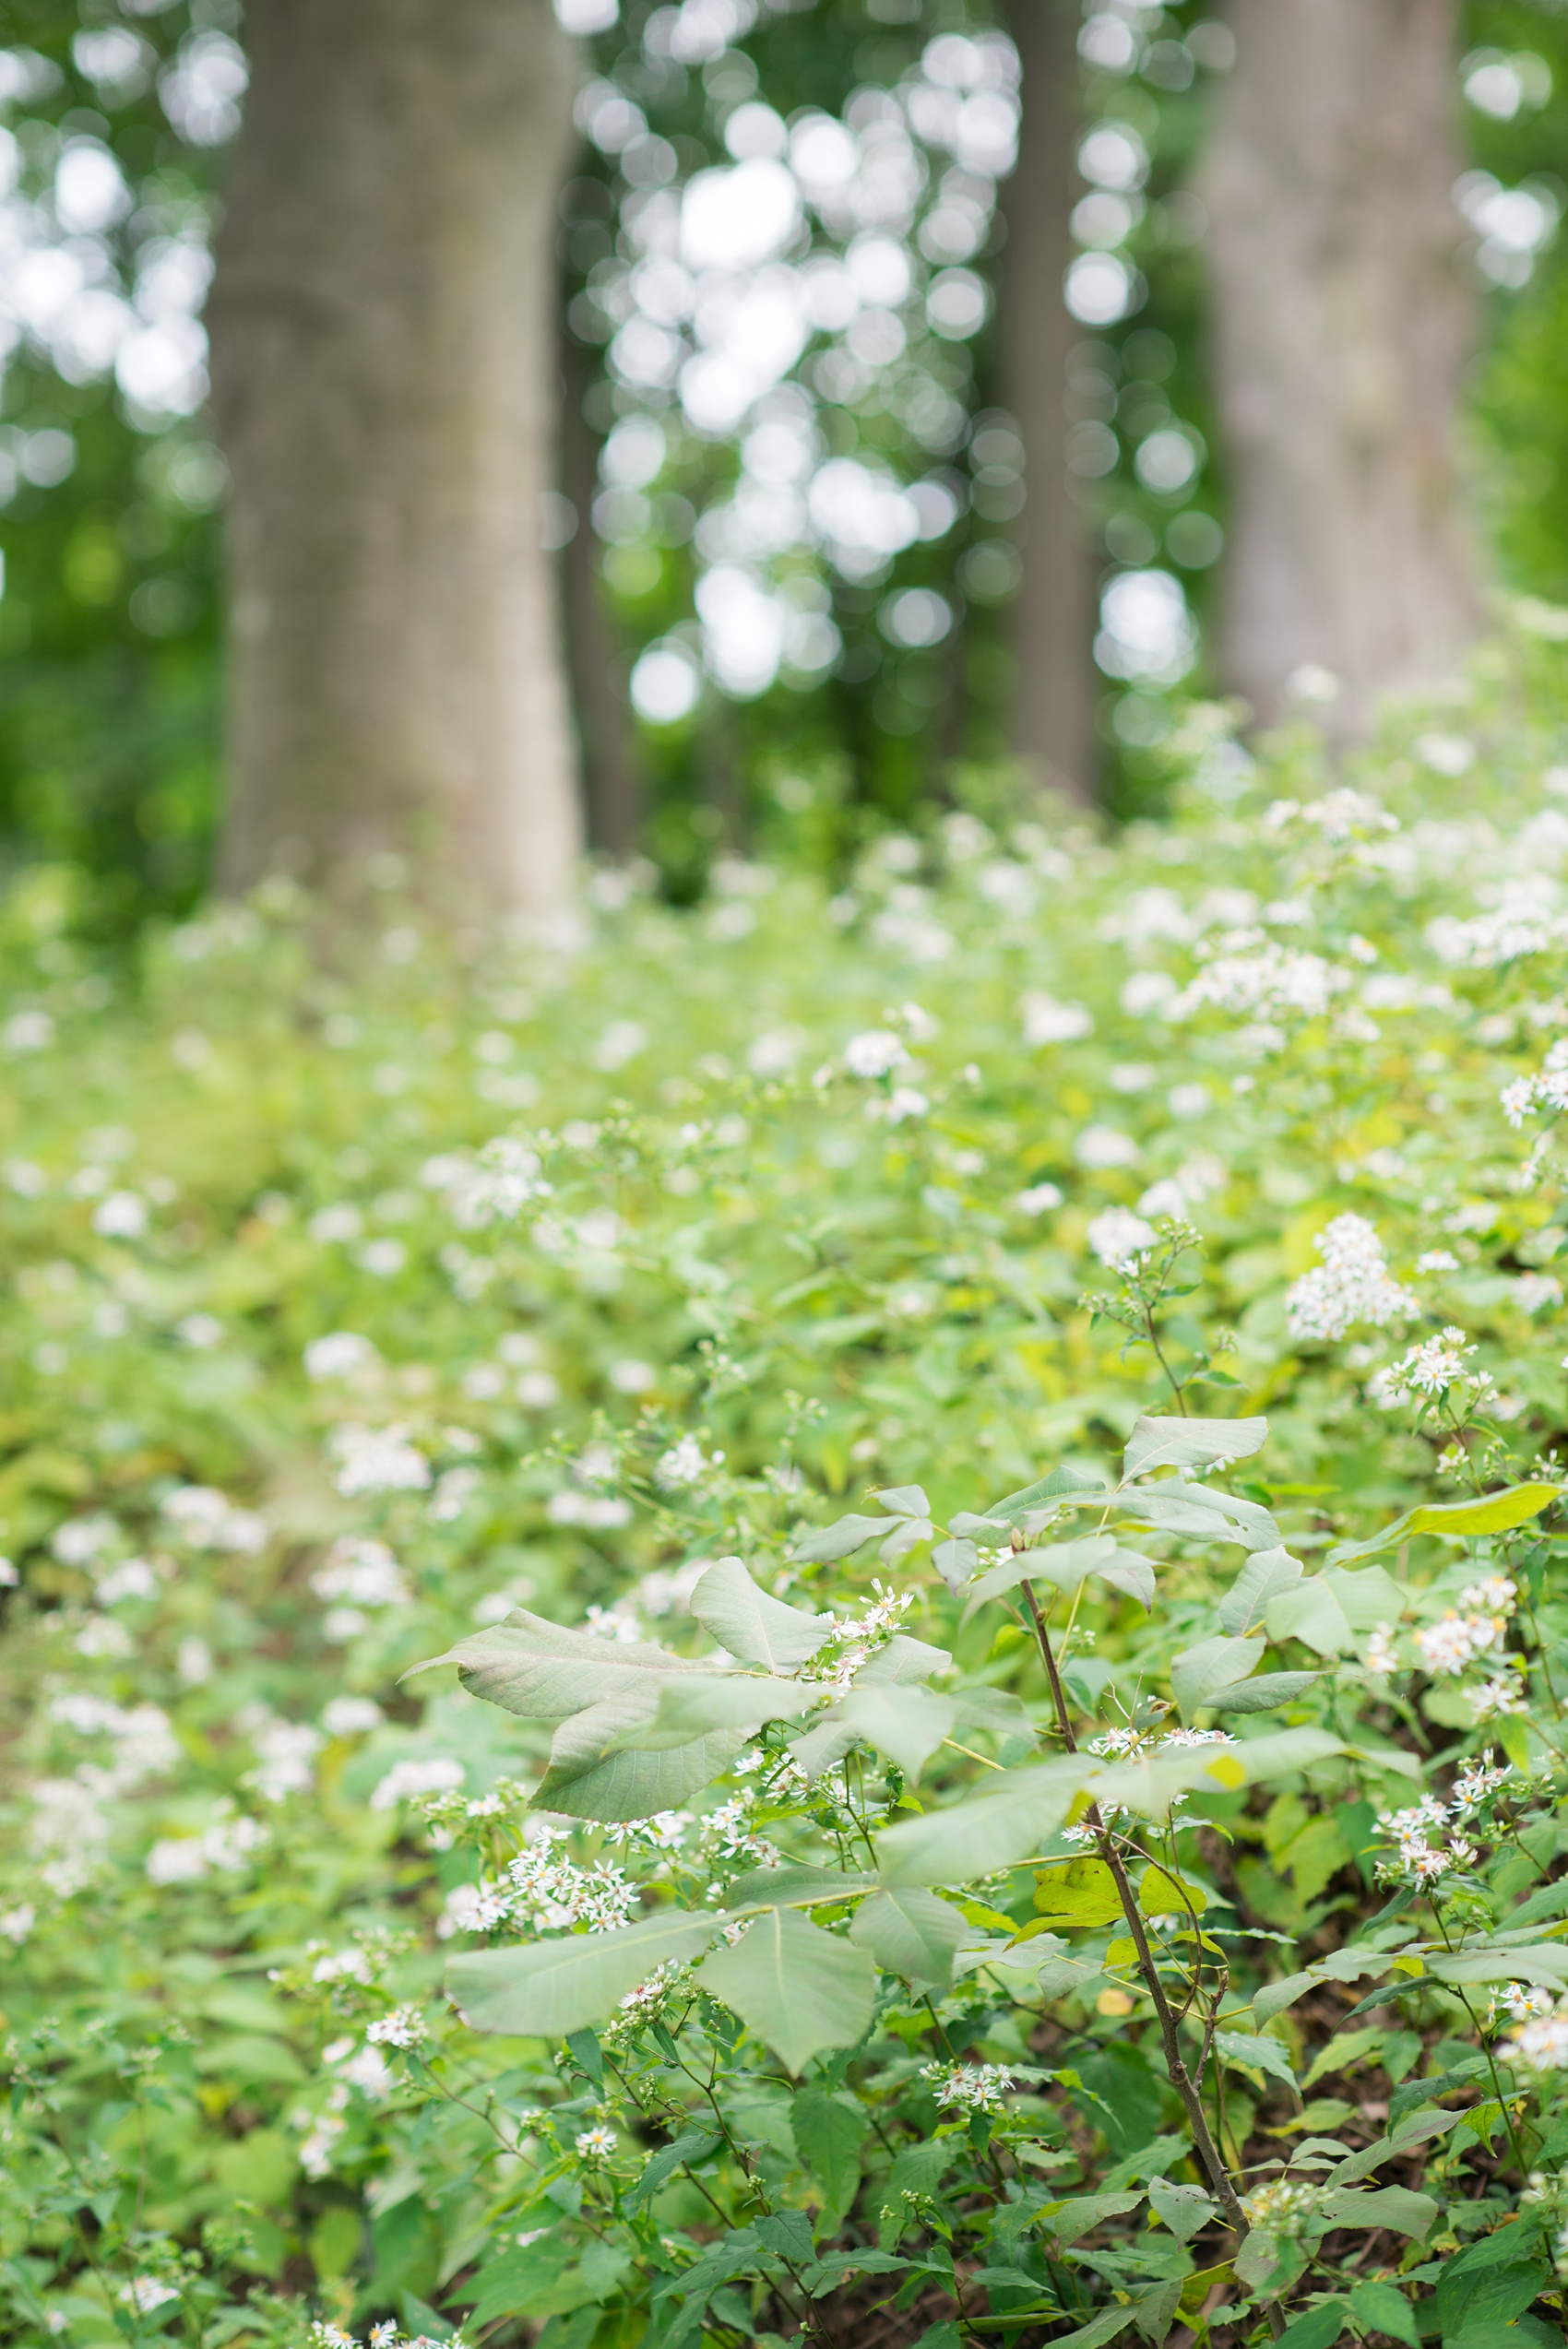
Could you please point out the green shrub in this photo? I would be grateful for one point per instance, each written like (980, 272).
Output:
(985, 1453)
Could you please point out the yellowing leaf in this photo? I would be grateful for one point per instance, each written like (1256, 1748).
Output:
(1163, 1896)
(1082, 1893)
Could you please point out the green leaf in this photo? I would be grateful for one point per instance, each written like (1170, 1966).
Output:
(1382, 2307)
(902, 1662)
(998, 1710)
(1495, 1512)
(1199, 1673)
(1418, 2130)
(1177, 1507)
(1015, 1506)
(1265, 1692)
(795, 1885)
(1190, 1444)
(955, 1562)
(829, 2130)
(841, 1540)
(546, 1673)
(734, 1700)
(1274, 1997)
(1068, 2220)
(1081, 1894)
(1062, 1564)
(758, 1629)
(1162, 1894)
(994, 1828)
(1367, 1599)
(912, 1933)
(547, 1988)
(1310, 1613)
(1317, 2328)
(1257, 2053)
(1490, 2283)
(1267, 1573)
(1183, 2209)
(692, 2146)
(904, 1501)
(1105, 2326)
(800, 1989)
(590, 1777)
(1397, 2206)
(1155, 2307)
(907, 1723)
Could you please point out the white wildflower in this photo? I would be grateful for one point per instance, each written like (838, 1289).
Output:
(404, 2027)
(367, 1460)
(1118, 1237)
(1351, 1284)
(876, 1054)
(433, 1773)
(596, 2144)
(973, 2087)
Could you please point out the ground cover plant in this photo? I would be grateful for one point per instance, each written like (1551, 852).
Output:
(838, 1617)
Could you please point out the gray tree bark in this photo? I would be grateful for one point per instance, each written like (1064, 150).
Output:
(612, 778)
(384, 382)
(1342, 323)
(1053, 613)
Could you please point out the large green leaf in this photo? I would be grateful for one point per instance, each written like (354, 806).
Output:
(690, 1707)
(758, 1629)
(912, 1933)
(1399, 2207)
(1382, 2307)
(1199, 1673)
(1490, 2283)
(691, 2146)
(1494, 1513)
(547, 1673)
(1367, 1599)
(1267, 1573)
(1257, 2053)
(1265, 1692)
(800, 1989)
(1015, 1506)
(591, 1776)
(794, 1885)
(840, 1540)
(1063, 1565)
(908, 1723)
(544, 1990)
(1190, 1444)
(1196, 1512)
(829, 2130)
(902, 1661)
(1003, 1823)
(1313, 1614)
(1082, 1893)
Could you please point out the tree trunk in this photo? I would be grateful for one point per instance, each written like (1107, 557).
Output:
(385, 380)
(611, 770)
(1342, 325)
(1053, 613)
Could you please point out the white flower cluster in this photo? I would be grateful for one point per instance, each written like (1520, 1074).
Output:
(286, 1757)
(229, 1845)
(1517, 928)
(492, 1187)
(728, 1834)
(1254, 976)
(852, 1644)
(685, 1464)
(361, 1572)
(876, 1054)
(1410, 1831)
(973, 2087)
(203, 1519)
(1543, 1091)
(404, 2027)
(1476, 1784)
(1519, 2002)
(1120, 1239)
(551, 1894)
(1282, 2209)
(1429, 1368)
(1451, 1646)
(1382, 1656)
(1542, 2043)
(423, 1773)
(367, 1460)
(649, 2002)
(1351, 1284)
(1338, 816)
(324, 2334)
(145, 2293)
(595, 2145)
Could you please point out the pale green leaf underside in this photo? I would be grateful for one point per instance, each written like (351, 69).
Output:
(756, 1627)
(912, 1933)
(547, 1988)
(1190, 1444)
(547, 1673)
(799, 1990)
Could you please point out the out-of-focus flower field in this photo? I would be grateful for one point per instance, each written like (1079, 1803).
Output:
(354, 1303)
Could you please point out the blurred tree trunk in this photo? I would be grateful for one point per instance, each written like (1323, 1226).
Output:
(1053, 614)
(1343, 321)
(386, 385)
(612, 771)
